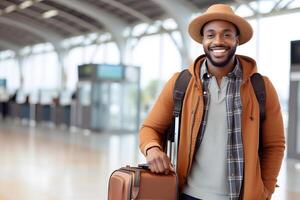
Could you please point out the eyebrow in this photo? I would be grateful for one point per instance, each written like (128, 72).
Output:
(225, 30)
(229, 30)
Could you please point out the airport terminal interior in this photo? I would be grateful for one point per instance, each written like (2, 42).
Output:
(78, 77)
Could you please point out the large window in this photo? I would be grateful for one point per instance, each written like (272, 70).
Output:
(158, 58)
(41, 72)
(98, 54)
(10, 71)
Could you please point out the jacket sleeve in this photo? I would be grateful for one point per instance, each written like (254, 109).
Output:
(273, 139)
(159, 118)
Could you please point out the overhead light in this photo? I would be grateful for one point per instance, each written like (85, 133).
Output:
(50, 13)
(25, 4)
(10, 8)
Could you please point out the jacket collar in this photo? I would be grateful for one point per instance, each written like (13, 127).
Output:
(247, 66)
(236, 72)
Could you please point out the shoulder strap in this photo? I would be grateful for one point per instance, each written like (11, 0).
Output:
(258, 85)
(180, 87)
(179, 90)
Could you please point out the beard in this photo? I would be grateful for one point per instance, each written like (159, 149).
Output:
(220, 63)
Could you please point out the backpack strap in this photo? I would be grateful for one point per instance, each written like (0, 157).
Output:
(180, 87)
(258, 85)
(179, 90)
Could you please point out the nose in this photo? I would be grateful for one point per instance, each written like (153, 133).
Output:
(218, 39)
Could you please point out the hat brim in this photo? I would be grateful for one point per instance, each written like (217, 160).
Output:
(244, 27)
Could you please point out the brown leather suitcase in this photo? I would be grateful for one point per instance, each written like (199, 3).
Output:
(138, 183)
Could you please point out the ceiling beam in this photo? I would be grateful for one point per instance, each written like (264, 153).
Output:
(52, 21)
(9, 45)
(275, 7)
(137, 14)
(110, 21)
(288, 3)
(44, 33)
(173, 8)
(112, 24)
(69, 17)
(276, 13)
(128, 10)
(244, 2)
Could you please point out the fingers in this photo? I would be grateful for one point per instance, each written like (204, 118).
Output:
(160, 165)
(158, 162)
(166, 162)
(156, 166)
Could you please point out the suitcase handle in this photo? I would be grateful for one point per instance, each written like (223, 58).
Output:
(143, 166)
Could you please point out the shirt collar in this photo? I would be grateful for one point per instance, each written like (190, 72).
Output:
(204, 74)
(236, 72)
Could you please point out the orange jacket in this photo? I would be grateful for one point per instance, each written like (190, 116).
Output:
(260, 175)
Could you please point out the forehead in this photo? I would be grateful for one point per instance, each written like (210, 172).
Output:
(219, 25)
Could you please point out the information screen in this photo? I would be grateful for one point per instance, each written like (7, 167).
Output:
(85, 71)
(110, 72)
(3, 83)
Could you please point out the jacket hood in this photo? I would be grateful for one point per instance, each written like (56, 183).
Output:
(248, 66)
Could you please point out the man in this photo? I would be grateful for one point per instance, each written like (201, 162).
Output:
(219, 133)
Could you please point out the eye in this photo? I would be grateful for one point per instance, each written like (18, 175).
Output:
(228, 35)
(209, 36)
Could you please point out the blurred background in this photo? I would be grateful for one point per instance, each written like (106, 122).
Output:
(77, 77)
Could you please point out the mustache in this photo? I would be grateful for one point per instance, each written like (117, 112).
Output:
(219, 46)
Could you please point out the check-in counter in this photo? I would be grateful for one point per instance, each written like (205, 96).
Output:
(43, 108)
(61, 109)
(22, 106)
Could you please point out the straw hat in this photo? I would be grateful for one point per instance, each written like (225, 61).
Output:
(220, 12)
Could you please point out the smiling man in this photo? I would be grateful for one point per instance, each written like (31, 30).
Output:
(218, 155)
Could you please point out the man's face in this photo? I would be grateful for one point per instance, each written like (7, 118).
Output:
(219, 42)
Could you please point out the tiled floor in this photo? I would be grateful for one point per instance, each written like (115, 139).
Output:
(45, 163)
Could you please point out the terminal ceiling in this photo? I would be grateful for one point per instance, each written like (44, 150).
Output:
(29, 22)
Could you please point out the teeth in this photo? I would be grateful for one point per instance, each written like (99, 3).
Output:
(219, 50)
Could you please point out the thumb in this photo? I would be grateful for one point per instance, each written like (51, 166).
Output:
(172, 168)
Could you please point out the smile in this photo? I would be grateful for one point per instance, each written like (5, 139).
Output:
(219, 51)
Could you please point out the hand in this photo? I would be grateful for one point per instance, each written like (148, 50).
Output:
(158, 161)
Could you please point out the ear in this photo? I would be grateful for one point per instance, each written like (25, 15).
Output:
(238, 41)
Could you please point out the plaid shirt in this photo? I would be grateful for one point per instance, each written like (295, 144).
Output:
(235, 154)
